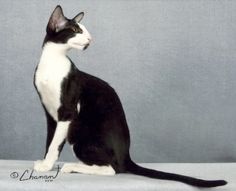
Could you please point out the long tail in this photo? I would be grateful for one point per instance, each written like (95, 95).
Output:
(133, 168)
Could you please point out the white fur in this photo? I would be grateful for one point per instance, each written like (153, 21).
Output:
(79, 41)
(78, 107)
(53, 67)
(86, 169)
(53, 152)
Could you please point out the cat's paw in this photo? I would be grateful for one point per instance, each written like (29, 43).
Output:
(42, 166)
(67, 168)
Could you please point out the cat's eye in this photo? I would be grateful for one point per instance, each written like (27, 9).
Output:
(76, 30)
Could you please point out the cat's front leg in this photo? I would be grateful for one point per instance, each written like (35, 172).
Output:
(54, 148)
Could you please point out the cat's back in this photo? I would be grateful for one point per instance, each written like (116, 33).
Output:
(97, 91)
(95, 85)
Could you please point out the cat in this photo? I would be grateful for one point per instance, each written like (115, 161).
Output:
(84, 110)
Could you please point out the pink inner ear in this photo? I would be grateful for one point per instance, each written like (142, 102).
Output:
(61, 23)
(58, 23)
(57, 20)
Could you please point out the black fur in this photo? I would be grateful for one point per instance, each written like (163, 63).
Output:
(63, 33)
(99, 131)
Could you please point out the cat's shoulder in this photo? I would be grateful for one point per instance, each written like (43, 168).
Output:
(90, 80)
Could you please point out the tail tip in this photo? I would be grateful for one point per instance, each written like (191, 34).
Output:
(218, 183)
(222, 182)
(211, 183)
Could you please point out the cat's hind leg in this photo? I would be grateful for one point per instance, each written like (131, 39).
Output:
(92, 160)
(88, 169)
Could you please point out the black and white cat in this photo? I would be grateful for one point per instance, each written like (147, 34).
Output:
(84, 110)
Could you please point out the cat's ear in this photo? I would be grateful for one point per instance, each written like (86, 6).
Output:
(57, 20)
(78, 17)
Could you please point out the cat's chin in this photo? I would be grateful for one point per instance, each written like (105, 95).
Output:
(79, 46)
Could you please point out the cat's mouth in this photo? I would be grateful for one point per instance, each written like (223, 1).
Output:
(86, 46)
(80, 46)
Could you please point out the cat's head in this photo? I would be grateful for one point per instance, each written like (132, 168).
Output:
(67, 32)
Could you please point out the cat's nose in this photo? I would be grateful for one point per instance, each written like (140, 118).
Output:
(89, 39)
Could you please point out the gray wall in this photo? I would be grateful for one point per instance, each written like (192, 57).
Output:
(171, 62)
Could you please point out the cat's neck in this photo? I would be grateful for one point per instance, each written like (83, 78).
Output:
(54, 61)
(54, 49)
(54, 55)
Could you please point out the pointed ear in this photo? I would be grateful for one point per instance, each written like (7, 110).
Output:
(78, 17)
(57, 20)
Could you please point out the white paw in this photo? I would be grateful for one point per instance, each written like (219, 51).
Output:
(42, 166)
(67, 168)
(107, 171)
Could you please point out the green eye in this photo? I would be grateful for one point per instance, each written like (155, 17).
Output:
(76, 29)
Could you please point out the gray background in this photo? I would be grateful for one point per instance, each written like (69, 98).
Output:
(171, 62)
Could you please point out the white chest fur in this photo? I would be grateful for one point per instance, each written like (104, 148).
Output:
(53, 67)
